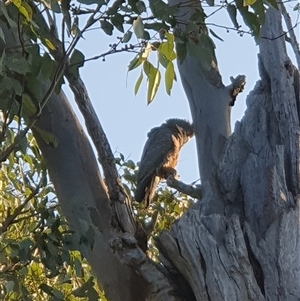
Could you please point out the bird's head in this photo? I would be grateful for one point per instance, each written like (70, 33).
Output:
(182, 128)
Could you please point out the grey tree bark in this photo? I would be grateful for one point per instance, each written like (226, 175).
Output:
(241, 241)
(248, 248)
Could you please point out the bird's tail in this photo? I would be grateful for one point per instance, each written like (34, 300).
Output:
(146, 192)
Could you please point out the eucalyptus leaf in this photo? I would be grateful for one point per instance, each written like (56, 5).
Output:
(117, 21)
(17, 63)
(47, 136)
(157, 26)
(127, 36)
(141, 6)
(76, 61)
(215, 35)
(169, 77)
(2, 36)
(231, 9)
(154, 77)
(249, 2)
(181, 51)
(138, 83)
(53, 5)
(135, 62)
(107, 27)
(160, 9)
(29, 108)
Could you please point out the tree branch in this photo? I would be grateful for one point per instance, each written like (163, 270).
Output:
(10, 219)
(292, 39)
(237, 86)
(185, 188)
(116, 191)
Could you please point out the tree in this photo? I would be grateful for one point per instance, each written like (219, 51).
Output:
(240, 241)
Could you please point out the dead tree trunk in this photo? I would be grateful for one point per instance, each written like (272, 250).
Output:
(250, 249)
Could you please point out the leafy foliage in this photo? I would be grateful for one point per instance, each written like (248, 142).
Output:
(38, 260)
(167, 205)
(152, 22)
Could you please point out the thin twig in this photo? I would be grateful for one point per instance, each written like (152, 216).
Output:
(292, 38)
(11, 217)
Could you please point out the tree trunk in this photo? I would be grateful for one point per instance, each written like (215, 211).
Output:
(121, 268)
(250, 249)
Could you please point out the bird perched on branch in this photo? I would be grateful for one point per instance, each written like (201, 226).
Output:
(160, 156)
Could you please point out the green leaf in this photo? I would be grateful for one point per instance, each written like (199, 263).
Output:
(130, 164)
(12, 84)
(114, 8)
(48, 43)
(154, 77)
(198, 16)
(147, 66)
(2, 63)
(133, 6)
(26, 11)
(160, 9)
(169, 77)
(141, 6)
(259, 10)
(76, 61)
(88, 2)
(17, 3)
(134, 63)
(249, 2)
(25, 245)
(166, 50)
(146, 35)
(181, 51)
(138, 27)
(297, 7)
(10, 21)
(52, 4)
(215, 35)
(201, 52)
(47, 136)
(252, 22)
(46, 288)
(47, 66)
(127, 36)
(157, 26)
(231, 9)
(17, 63)
(83, 290)
(107, 27)
(29, 109)
(138, 83)
(58, 295)
(162, 59)
(33, 83)
(117, 21)
(2, 36)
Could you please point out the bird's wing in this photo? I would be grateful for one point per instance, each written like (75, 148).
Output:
(155, 152)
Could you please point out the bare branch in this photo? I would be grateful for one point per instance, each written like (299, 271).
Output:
(106, 158)
(184, 188)
(237, 86)
(292, 38)
(10, 219)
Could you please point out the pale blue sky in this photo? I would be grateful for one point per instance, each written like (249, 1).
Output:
(126, 118)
